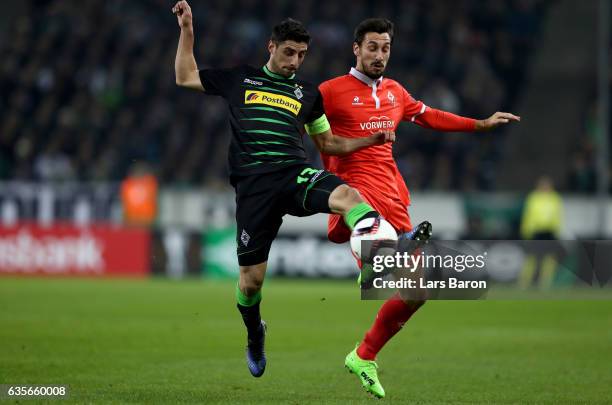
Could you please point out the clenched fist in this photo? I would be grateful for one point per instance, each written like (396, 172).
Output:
(384, 137)
(182, 10)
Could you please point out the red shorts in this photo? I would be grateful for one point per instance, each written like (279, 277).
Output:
(394, 211)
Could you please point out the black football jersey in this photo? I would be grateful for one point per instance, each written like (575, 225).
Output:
(267, 116)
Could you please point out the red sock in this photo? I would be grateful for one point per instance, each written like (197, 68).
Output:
(390, 318)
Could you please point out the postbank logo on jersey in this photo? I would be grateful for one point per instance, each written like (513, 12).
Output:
(271, 99)
(376, 124)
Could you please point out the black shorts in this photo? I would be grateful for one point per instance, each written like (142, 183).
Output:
(263, 199)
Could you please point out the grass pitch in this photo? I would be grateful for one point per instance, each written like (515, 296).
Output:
(154, 341)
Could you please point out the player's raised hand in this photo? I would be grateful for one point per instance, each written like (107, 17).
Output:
(182, 10)
(384, 137)
(495, 120)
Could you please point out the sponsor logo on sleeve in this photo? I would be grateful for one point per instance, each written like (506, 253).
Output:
(253, 82)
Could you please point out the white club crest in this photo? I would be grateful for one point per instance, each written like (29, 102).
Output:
(245, 238)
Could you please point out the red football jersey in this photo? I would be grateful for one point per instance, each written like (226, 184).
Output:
(357, 106)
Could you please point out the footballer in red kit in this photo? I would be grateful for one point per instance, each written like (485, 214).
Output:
(357, 105)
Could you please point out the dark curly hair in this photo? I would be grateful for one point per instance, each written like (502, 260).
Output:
(378, 25)
(290, 30)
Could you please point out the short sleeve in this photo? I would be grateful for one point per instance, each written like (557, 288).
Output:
(218, 82)
(412, 107)
(317, 126)
(326, 95)
(317, 109)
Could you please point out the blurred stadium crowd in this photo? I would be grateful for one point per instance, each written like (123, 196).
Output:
(88, 86)
(582, 176)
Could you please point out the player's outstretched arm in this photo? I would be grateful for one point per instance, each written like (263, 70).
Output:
(336, 145)
(495, 120)
(448, 122)
(185, 67)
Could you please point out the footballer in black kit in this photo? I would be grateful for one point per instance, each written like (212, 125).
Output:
(270, 109)
(268, 165)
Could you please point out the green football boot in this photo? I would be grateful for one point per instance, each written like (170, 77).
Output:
(366, 371)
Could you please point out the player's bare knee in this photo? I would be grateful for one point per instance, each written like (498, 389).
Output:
(343, 198)
(250, 286)
(251, 279)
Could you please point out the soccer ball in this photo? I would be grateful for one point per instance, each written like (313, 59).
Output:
(372, 229)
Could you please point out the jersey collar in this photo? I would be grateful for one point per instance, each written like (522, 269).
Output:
(365, 79)
(276, 76)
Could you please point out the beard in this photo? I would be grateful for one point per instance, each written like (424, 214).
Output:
(374, 72)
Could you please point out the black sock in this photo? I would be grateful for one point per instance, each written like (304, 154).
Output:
(252, 320)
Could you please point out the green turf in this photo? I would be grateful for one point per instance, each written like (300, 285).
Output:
(167, 342)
